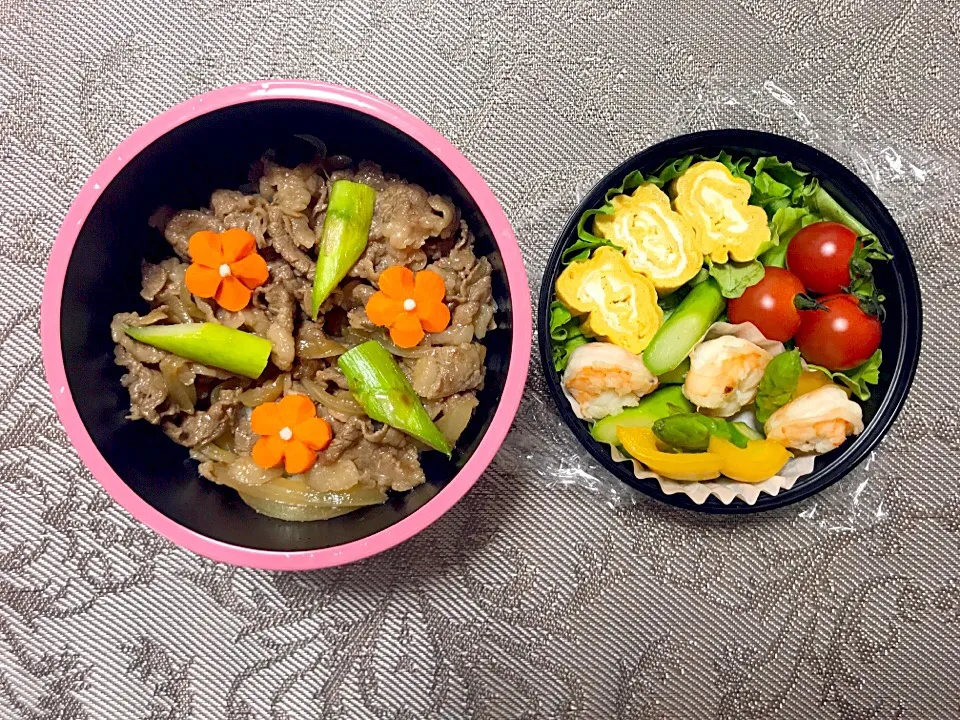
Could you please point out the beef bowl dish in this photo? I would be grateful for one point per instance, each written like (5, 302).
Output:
(288, 334)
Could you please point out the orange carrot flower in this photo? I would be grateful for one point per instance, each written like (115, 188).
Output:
(290, 433)
(226, 267)
(409, 304)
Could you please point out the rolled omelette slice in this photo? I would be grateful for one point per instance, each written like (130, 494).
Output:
(717, 205)
(658, 241)
(620, 304)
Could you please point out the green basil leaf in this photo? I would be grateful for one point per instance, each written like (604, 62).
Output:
(779, 384)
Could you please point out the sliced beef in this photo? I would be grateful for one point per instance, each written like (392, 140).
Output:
(147, 389)
(205, 425)
(243, 437)
(278, 236)
(390, 467)
(280, 307)
(406, 216)
(289, 189)
(136, 350)
(380, 254)
(447, 370)
(345, 436)
(198, 405)
(154, 278)
(184, 224)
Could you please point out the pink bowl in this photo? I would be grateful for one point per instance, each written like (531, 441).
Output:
(354, 102)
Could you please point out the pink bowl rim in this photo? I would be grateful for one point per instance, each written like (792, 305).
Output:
(475, 185)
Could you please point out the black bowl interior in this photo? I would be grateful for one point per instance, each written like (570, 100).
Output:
(180, 170)
(898, 279)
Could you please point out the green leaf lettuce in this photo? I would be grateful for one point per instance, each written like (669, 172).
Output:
(566, 334)
(734, 278)
(859, 378)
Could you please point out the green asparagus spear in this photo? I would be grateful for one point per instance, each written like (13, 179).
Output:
(691, 431)
(663, 402)
(346, 228)
(684, 328)
(380, 386)
(210, 344)
(677, 375)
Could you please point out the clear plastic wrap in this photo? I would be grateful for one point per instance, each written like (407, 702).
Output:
(903, 179)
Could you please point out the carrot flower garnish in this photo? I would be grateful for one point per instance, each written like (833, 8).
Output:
(409, 305)
(226, 267)
(290, 433)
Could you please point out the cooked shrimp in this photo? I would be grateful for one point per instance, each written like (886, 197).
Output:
(816, 422)
(724, 374)
(604, 378)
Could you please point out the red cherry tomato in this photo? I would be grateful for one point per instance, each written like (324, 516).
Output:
(769, 305)
(840, 337)
(820, 256)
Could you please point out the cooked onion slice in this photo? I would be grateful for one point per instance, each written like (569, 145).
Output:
(342, 402)
(456, 415)
(293, 513)
(318, 348)
(357, 337)
(182, 393)
(268, 392)
(289, 499)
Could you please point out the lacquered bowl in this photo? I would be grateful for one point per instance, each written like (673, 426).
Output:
(178, 159)
(898, 279)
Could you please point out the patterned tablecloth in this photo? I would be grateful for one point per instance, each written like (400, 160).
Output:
(545, 593)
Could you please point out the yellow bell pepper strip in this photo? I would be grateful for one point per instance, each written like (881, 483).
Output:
(811, 380)
(717, 205)
(641, 444)
(620, 304)
(211, 344)
(759, 461)
(346, 229)
(379, 385)
(658, 241)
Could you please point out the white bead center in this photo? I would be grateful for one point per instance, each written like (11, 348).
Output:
(224, 270)
(285, 433)
(409, 304)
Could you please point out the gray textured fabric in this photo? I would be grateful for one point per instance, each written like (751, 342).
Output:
(545, 593)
